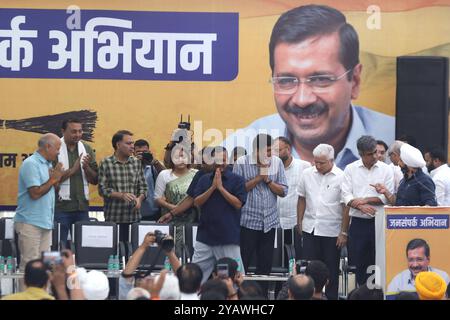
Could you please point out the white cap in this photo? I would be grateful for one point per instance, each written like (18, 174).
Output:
(170, 289)
(95, 284)
(411, 156)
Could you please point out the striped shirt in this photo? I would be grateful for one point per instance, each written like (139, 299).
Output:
(260, 210)
(115, 176)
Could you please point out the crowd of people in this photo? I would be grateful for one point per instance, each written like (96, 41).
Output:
(238, 205)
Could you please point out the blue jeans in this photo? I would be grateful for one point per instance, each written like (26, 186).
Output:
(66, 220)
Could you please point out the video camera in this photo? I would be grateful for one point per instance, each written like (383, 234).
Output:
(163, 241)
(182, 134)
(185, 125)
(166, 243)
(147, 156)
(301, 265)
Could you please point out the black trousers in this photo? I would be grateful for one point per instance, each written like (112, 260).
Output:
(361, 247)
(256, 241)
(290, 234)
(324, 249)
(124, 231)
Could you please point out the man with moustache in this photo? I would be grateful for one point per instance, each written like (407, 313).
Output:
(418, 258)
(78, 159)
(315, 74)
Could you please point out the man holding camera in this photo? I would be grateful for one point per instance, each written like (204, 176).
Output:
(130, 279)
(152, 167)
(55, 269)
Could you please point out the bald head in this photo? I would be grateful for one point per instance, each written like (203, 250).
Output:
(300, 287)
(49, 145)
(48, 138)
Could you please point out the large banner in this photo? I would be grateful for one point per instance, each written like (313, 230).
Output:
(139, 65)
(410, 240)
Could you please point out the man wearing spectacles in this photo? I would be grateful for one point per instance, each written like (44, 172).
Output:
(394, 155)
(361, 195)
(418, 257)
(314, 57)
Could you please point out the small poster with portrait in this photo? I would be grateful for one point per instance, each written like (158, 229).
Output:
(411, 240)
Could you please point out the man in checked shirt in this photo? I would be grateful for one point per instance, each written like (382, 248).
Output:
(265, 180)
(121, 183)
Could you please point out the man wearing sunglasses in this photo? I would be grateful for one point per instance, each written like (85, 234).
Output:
(316, 73)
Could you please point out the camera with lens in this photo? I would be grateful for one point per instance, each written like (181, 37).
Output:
(51, 258)
(163, 241)
(182, 133)
(147, 157)
(301, 265)
(184, 125)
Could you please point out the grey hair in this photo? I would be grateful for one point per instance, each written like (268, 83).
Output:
(366, 143)
(46, 139)
(395, 147)
(324, 150)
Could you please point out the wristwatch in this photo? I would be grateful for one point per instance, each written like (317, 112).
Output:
(344, 233)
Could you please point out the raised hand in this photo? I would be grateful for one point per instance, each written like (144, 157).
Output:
(149, 239)
(218, 178)
(380, 188)
(57, 172)
(85, 161)
(264, 172)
